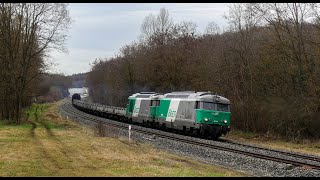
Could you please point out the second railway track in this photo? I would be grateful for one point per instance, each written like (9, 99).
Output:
(294, 159)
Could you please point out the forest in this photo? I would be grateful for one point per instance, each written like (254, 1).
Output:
(266, 62)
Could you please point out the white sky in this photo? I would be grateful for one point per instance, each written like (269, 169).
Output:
(100, 30)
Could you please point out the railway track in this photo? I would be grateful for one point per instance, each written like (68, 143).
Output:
(306, 157)
(313, 162)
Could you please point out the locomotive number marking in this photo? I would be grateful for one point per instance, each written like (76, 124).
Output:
(172, 113)
(136, 110)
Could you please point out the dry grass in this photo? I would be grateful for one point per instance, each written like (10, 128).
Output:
(53, 146)
(303, 147)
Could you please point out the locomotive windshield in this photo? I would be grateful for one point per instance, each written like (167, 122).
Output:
(222, 107)
(211, 106)
(208, 105)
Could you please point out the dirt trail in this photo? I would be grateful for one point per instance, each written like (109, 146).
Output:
(49, 155)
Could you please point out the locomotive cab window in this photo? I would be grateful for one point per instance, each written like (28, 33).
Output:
(208, 105)
(222, 107)
(155, 103)
(197, 105)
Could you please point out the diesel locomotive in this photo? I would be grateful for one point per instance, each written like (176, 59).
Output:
(203, 114)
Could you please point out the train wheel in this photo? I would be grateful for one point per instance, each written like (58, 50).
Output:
(202, 133)
(184, 130)
(194, 132)
(217, 136)
(147, 124)
(197, 132)
(164, 127)
(156, 125)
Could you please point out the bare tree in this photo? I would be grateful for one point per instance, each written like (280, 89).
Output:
(212, 28)
(30, 31)
(164, 21)
(156, 24)
(243, 22)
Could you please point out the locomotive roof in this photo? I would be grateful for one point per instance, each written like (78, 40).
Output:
(144, 95)
(198, 96)
(188, 95)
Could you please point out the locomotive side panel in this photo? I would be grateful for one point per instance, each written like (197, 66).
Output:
(130, 107)
(162, 112)
(144, 111)
(185, 117)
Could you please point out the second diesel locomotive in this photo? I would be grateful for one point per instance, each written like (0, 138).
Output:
(199, 113)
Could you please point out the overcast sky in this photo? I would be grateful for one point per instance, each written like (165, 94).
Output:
(100, 30)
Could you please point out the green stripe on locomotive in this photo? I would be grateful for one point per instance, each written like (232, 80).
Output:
(130, 107)
(153, 111)
(212, 117)
(162, 110)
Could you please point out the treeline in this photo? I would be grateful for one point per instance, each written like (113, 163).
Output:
(28, 31)
(52, 87)
(78, 80)
(266, 63)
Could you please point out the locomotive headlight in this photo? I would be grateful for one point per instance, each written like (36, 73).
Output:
(225, 121)
(205, 119)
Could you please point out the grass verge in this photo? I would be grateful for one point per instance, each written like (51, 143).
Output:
(50, 145)
(304, 146)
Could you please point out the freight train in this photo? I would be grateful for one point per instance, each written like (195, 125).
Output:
(203, 114)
